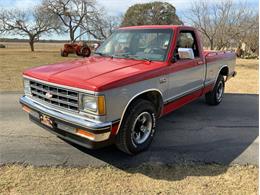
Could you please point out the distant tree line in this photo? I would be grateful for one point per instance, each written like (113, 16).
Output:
(75, 17)
(222, 24)
(226, 25)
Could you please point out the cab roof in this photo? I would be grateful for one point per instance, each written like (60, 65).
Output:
(155, 27)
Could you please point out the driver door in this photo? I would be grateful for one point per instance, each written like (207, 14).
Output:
(185, 76)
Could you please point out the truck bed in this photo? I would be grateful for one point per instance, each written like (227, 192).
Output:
(218, 55)
(216, 61)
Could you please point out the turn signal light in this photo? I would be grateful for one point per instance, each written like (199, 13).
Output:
(26, 109)
(101, 105)
(85, 134)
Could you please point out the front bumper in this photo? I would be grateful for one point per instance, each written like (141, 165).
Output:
(71, 127)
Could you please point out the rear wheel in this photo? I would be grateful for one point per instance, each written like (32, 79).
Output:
(64, 53)
(138, 128)
(85, 51)
(215, 96)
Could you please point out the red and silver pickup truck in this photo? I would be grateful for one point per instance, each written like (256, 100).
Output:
(116, 96)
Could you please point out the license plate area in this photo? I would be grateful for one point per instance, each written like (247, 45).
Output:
(46, 120)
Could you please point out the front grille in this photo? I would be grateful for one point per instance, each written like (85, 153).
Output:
(56, 96)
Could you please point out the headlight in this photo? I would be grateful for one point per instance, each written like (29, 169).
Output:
(27, 87)
(93, 104)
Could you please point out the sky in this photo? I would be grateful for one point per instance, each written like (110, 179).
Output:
(114, 7)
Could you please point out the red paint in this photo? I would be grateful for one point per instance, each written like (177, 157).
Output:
(153, 27)
(114, 128)
(102, 73)
(180, 102)
(98, 73)
(174, 105)
(208, 88)
(213, 56)
(183, 64)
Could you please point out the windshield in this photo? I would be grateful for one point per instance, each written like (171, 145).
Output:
(145, 44)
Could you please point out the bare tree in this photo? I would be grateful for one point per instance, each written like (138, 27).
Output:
(250, 36)
(30, 23)
(71, 13)
(222, 23)
(100, 26)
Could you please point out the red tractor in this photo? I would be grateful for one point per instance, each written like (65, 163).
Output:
(81, 49)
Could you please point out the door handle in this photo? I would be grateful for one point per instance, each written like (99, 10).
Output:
(163, 80)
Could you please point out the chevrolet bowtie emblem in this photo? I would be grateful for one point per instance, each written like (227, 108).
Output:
(48, 95)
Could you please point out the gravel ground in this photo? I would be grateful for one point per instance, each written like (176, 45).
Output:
(145, 179)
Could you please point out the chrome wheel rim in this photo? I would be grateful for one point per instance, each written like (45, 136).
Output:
(142, 128)
(220, 90)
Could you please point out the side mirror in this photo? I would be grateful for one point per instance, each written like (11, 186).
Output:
(186, 53)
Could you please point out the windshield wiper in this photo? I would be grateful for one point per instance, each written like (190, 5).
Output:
(146, 59)
(124, 55)
(99, 53)
(135, 57)
(103, 54)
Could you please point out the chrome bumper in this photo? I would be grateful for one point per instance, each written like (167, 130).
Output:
(69, 122)
(70, 118)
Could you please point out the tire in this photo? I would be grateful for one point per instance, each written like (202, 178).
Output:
(78, 53)
(64, 53)
(85, 51)
(215, 96)
(134, 124)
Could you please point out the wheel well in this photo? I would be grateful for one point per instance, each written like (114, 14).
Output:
(224, 71)
(153, 96)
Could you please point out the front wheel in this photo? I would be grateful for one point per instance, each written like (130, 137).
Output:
(215, 96)
(85, 51)
(138, 128)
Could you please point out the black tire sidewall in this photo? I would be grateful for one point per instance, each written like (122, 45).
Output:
(144, 106)
(211, 97)
(220, 79)
(87, 54)
(64, 54)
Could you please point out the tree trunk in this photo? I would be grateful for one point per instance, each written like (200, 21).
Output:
(72, 37)
(31, 42)
(211, 44)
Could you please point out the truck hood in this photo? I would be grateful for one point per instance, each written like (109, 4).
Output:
(82, 73)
